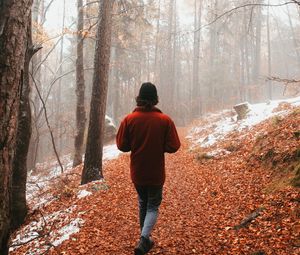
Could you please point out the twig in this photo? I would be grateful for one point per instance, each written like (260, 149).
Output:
(48, 124)
(53, 82)
(28, 241)
(46, 57)
(45, 12)
(250, 218)
(243, 6)
(286, 82)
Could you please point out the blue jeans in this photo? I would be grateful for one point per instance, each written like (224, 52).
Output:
(149, 198)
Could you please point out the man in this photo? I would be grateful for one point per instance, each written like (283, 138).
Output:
(148, 134)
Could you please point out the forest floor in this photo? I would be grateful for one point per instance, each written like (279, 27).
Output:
(206, 198)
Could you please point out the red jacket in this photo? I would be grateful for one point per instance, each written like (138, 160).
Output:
(148, 134)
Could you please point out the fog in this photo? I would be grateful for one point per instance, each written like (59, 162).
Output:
(199, 61)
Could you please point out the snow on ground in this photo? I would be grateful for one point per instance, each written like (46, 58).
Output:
(37, 184)
(42, 236)
(38, 196)
(110, 152)
(66, 231)
(207, 135)
(83, 193)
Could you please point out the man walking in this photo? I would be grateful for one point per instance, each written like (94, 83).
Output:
(148, 134)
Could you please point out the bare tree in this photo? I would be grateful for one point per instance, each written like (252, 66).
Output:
(14, 21)
(270, 89)
(58, 122)
(80, 90)
(295, 42)
(92, 169)
(196, 101)
(257, 44)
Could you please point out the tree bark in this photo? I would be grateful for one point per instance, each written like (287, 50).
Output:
(37, 14)
(19, 175)
(92, 169)
(14, 17)
(80, 90)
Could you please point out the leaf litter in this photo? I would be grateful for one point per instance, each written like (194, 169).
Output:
(204, 199)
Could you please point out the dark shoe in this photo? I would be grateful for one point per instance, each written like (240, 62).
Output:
(144, 246)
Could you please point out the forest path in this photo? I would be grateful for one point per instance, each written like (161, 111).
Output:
(201, 204)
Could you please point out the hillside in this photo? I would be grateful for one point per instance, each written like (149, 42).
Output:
(233, 188)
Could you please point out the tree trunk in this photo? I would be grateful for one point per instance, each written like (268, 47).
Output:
(156, 55)
(58, 112)
(213, 37)
(294, 37)
(257, 54)
(270, 89)
(196, 58)
(168, 85)
(80, 90)
(14, 17)
(19, 175)
(38, 7)
(92, 169)
(115, 73)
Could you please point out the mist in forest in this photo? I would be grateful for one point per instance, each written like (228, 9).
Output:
(203, 56)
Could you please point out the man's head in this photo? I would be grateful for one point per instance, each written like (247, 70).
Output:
(147, 95)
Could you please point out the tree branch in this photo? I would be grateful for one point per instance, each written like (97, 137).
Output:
(244, 6)
(286, 82)
(48, 124)
(283, 80)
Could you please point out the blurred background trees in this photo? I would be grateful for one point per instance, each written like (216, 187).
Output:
(200, 60)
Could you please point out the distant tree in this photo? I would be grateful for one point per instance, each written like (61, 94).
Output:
(92, 169)
(80, 90)
(196, 100)
(14, 21)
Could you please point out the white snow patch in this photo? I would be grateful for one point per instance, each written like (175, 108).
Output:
(110, 152)
(83, 193)
(39, 233)
(67, 230)
(110, 121)
(37, 184)
(218, 130)
(218, 152)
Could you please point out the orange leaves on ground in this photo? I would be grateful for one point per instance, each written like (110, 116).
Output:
(203, 201)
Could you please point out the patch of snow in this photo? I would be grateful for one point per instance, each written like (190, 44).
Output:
(83, 193)
(218, 152)
(38, 183)
(219, 129)
(35, 232)
(43, 200)
(110, 121)
(67, 230)
(110, 152)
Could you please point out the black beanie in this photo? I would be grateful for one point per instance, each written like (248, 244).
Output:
(148, 91)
